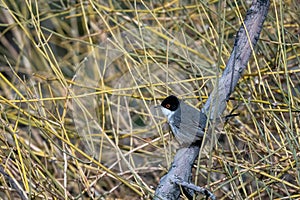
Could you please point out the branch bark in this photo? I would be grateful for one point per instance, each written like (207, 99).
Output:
(245, 41)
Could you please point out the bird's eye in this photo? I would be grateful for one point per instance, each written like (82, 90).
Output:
(168, 106)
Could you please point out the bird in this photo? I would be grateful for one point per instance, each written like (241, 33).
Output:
(186, 122)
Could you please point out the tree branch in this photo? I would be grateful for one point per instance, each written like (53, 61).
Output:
(246, 39)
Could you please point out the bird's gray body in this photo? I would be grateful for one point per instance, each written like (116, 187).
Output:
(187, 123)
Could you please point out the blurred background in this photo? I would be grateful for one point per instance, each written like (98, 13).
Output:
(79, 81)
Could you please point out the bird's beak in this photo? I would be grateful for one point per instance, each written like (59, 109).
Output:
(157, 106)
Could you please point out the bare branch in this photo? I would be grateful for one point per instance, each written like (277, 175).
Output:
(246, 40)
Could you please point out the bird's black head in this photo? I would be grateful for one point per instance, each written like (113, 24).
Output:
(171, 103)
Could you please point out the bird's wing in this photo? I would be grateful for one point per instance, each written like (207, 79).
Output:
(194, 117)
(188, 125)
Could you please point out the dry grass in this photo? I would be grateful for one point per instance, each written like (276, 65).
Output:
(79, 81)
